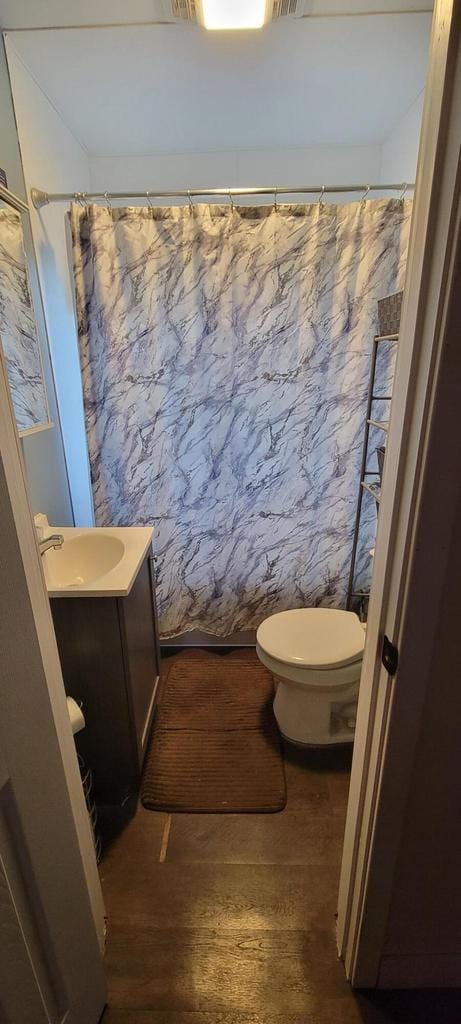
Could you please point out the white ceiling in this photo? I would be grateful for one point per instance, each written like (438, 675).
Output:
(158, 88)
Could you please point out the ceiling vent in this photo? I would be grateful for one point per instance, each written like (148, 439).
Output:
(189, 10)
(285, 8)
(185, 10)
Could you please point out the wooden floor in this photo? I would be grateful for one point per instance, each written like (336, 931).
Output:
(230, 919)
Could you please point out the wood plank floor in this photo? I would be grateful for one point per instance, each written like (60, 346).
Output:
(230, 919)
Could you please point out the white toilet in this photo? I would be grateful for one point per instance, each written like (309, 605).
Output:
(315, 657)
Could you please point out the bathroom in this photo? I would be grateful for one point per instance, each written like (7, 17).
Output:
(205, 237)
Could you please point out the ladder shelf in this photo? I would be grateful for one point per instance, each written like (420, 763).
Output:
(367, 486)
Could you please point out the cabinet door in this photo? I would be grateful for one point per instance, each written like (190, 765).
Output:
(90, 649)
(141, 654)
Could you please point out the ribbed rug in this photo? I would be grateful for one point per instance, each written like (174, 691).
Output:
(215, 746)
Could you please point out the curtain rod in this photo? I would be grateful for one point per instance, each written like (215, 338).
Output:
(41, 198)
(9, 197)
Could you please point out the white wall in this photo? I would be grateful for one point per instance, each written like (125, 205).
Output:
(175, 88)
(399, 152)
(237, 167)
(53, 159)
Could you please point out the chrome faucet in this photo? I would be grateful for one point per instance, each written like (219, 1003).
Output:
(56, 540)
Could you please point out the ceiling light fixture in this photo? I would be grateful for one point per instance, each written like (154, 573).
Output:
(235, 14)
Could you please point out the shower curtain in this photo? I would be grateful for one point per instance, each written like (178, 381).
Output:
(225, 355)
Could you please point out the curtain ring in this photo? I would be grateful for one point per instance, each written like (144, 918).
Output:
(322, 193)
(106, 197)
(231, 200)
(404, 189)
(149, 200)
(275, 197)
(80, 198)
(190, 199)
(365, 194)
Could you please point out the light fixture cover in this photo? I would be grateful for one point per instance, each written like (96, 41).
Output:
(234, 14)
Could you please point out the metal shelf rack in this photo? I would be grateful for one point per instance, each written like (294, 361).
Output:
(372, 488)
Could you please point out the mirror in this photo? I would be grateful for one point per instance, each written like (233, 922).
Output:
(18, 325)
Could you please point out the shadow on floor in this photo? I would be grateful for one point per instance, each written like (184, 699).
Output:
(113, 820)
(417, 1006)
(319, 759)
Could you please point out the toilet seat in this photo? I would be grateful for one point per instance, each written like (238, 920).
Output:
(317, 639)
(312, 678)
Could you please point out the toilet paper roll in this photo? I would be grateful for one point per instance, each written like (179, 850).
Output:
(77, 720)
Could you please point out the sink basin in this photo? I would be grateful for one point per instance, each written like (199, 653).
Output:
(95, 561)
(82, 559)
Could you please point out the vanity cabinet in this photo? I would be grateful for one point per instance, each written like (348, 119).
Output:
(110, 660)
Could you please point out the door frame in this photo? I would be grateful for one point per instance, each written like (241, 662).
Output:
(389, 715)
(364, 889)
(14, 469)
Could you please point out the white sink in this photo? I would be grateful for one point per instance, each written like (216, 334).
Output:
(82, 559)
(95, 562)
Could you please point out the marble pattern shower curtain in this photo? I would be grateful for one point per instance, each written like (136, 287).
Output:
(225, 355)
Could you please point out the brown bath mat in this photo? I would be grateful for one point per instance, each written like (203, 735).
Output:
(216, 747)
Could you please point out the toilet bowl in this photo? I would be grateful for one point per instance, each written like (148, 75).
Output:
(315, 657)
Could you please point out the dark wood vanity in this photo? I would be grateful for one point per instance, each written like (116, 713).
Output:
(110, 660)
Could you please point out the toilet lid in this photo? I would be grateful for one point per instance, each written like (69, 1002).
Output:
(313, 637)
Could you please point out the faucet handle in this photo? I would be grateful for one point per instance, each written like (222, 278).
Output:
(42, 525)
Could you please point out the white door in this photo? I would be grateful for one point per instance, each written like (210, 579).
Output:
(387, 727)
(50, 961)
